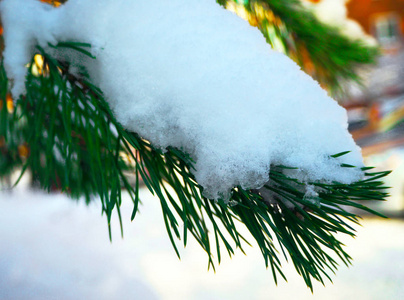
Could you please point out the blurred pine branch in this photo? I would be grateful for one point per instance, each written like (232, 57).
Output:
(320, 49)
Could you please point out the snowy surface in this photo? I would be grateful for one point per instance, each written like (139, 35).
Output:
(55, 248)
(189, 74)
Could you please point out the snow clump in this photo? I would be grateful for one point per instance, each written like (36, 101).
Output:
(189, 74)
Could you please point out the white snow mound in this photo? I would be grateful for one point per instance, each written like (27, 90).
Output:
(189, 74)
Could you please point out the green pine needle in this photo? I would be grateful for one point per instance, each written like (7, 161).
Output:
(77, 146)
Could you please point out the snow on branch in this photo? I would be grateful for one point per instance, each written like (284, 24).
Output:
(191, 75)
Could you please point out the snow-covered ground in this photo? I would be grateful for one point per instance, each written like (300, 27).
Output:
(56, 248)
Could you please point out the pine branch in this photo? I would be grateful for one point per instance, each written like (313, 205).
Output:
(321, 50)
(76, 145)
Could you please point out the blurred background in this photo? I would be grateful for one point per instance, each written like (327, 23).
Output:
(376, 112)
(56, 248)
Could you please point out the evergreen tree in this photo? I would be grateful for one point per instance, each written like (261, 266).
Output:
(64, 132)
